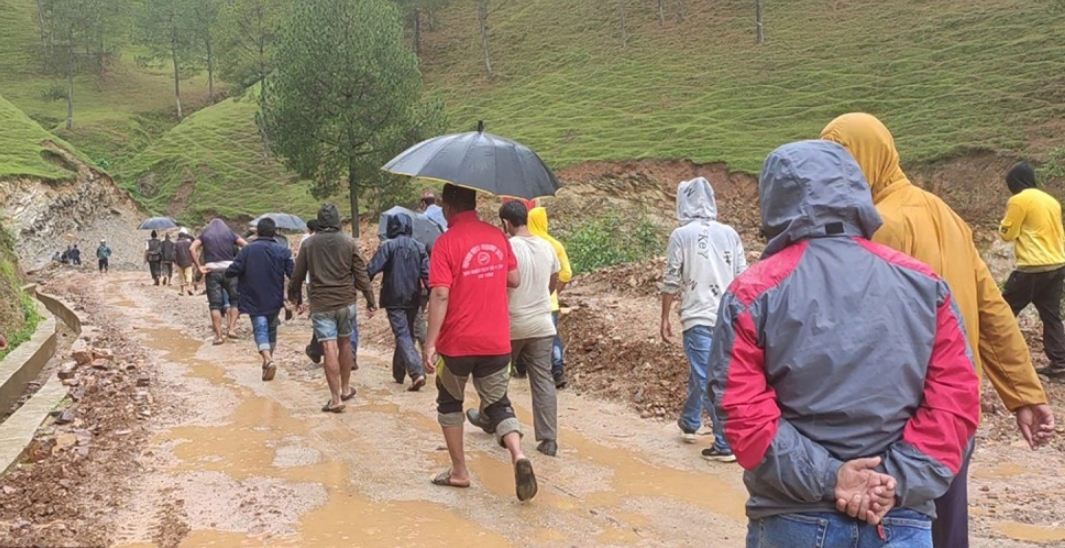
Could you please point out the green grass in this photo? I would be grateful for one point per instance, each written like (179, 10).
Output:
(609, 240)
(18, 310)
(109, 110)
(21, 152)
(948, 77)
(214, 163)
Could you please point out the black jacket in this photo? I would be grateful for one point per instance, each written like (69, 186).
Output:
(262, 267)
(405, 265)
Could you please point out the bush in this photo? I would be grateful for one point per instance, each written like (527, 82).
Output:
(611, 240)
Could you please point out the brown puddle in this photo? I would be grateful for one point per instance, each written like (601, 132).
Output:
(1030, 533)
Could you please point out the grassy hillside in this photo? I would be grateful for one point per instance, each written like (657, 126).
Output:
(214, 163)
(21, 153)
(946, 76)
(111, 111)
(18, 311)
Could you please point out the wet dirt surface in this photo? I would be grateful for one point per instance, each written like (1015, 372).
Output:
(227, 460)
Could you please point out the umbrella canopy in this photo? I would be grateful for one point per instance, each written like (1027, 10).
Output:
(426, 230)
(284, 221)
(480, 161)
(158, 223)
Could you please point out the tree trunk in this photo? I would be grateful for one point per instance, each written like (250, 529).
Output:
(759, 27)
(661, 12)
(177, 78)
(353, 191)
(621, 24)
(417, 32)
(70, 99)
(482, 20)
(682, 10)
(210, 69)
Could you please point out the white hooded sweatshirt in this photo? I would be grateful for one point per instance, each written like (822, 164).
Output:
(703, 256)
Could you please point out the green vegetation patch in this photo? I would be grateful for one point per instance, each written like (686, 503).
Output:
(215, 163)
(21, 149)
(947, 76)
(610, 240)
(18, 310)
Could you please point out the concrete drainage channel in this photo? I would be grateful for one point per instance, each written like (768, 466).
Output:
(23, 366)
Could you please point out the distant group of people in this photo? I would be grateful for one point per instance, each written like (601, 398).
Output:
(842, 369)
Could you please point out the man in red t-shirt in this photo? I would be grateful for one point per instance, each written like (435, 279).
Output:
(469, 327)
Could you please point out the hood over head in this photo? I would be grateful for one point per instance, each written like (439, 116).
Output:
(399, 224)
(695, 200)
(813, 189)
(217, 227)
(538, 221)
(1021, 177)
(328, 217)
(872, 146)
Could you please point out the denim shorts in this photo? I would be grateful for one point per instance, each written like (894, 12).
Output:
(331, 325)
(219, 288)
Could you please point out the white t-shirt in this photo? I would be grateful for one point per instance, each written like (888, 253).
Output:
(530, 303)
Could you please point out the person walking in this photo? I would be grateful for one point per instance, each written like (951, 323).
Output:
(75, 256)
(166, 265)
(336, 269)
(532, 332)
(702, 259)
(841, 462)
(433, 211)
(185, 264)
(153, 255)
(538, 227)
(220, 245)
(1033, 224)
(919, 224)
(261, 268)
(470, 269)
(103, 257)
(405, 265)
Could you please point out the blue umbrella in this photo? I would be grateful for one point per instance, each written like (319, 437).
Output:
(158, 223)
(480, 161)
(284, 221)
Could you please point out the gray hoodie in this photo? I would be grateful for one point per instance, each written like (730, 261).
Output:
(703, 256)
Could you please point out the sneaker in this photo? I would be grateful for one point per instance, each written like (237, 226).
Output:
(560, 380)
(716, 455)
(548, 447)
(1051, 371)
(688, 437)
(480, 421)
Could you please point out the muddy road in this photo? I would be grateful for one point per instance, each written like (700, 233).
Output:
(229, 460)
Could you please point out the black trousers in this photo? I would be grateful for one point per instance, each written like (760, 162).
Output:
(1044, 290)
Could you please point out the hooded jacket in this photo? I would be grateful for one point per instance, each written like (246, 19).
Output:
(219, 243)
(703, 255)
(405, 265)
(922, 226)
(335, 266)
(834, 348)
(1032, 223)
(538, 227)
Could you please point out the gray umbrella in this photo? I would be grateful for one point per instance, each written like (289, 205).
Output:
(284, 221)
(426, 230)
(158, 223)
(480, 161)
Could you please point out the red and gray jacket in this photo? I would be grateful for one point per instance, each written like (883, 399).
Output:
(834, 348)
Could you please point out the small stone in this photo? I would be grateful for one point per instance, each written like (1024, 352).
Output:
(66, 371)
(8, 490)
(80, 352)
(144, 380)
(67, 416)
(102, 354)
(101, 364)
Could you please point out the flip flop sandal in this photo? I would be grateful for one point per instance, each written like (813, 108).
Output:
(232, 335)
(269, 370)
(444, 480)
(218, 342)
(524, 480)
(349, 395)
(417, 384)
(327, 408)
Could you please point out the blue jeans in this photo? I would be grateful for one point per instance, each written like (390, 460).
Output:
(558, 352)
(697, 341)
(902, 529)
(265, 330)
(405, 358)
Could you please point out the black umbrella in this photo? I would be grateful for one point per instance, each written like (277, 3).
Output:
(158, 223)
(284, 221)
(426, 230)
(480, 161)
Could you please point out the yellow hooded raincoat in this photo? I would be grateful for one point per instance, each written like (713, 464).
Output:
(918, 223)
(538, 226)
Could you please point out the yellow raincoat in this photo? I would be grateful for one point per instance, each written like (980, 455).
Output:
(918, 223)
(538, 226)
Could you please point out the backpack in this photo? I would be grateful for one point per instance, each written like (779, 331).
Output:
(155, 250)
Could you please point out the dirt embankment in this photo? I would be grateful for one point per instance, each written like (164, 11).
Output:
(45, 217)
